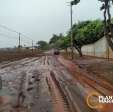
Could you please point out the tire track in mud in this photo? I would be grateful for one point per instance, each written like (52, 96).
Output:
(89, 84)
(21, 83)
(44, 101)
(14, 66)
(76, 90)
(60, 102)
(16, 63)
(102, 87)
(72, 98)
(45, 85)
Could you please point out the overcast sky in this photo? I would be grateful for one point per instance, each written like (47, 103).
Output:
(39, 19)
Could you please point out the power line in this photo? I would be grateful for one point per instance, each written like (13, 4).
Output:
(4, 35)
(9, 29)
(14, 31)
(7, 36)
(28, 37)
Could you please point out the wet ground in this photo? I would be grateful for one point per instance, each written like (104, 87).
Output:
(34, 86)
(97, 67)
(53, 84)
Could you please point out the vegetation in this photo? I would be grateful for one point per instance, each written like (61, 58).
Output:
(85, 32)
(55, 38)
(43, 45)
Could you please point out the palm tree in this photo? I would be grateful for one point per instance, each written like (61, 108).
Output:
(108, 26)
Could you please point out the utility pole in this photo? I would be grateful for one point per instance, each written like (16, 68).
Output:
(19, 41)
(32, 45)
(73, 2)
(0, 82)
(108, 52)
(71, 17)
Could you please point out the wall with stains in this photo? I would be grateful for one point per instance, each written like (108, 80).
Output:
(98, 49)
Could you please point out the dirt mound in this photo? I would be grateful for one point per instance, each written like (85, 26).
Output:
(102, 67)
(103, 70)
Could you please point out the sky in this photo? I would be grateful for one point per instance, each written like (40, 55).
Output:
(39, 19)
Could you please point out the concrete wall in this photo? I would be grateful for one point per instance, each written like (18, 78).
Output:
(99, 49)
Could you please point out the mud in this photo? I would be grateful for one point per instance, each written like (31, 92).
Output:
(97, 67)
(25, 83)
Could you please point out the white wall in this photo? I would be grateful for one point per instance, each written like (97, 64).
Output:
(99, 49)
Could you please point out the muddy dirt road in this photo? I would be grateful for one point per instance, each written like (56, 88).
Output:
(49, 84)
(24, 81)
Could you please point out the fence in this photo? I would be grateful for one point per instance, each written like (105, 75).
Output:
(98, 49)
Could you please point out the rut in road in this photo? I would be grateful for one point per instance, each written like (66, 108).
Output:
(25, 82)
(89, 85)
(59, 102)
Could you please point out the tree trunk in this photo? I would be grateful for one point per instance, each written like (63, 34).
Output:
(108, 26)
(66, 50)
(110, 42)
(79, 50)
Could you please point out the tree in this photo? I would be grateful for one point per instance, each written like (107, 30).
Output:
(60, 42)
(86, 32)
(108, 26)
(43, 45)
(55, 38)
(65, 43)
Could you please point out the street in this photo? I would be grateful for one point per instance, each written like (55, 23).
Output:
(49, 84)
